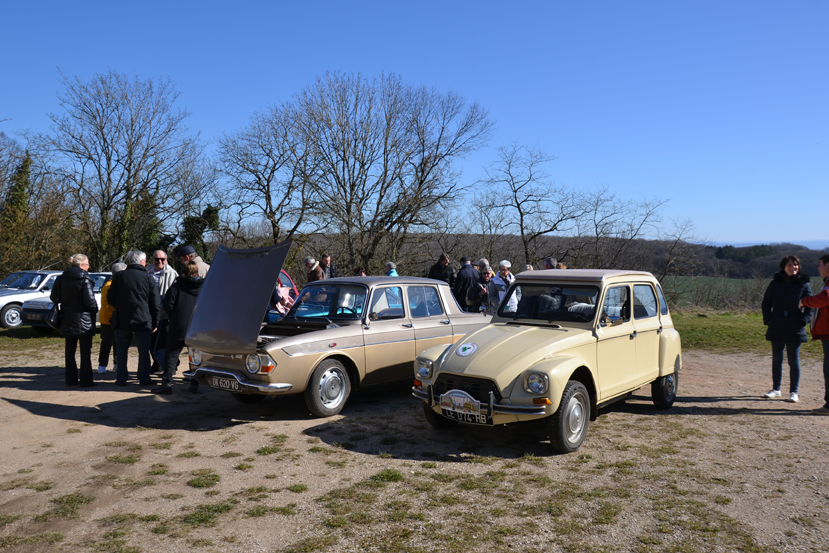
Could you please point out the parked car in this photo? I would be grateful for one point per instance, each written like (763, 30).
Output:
(10, 279)
(341, 333)
(33, 312)
(574, 341)
(28, 285)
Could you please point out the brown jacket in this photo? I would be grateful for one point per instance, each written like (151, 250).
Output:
(316, 273)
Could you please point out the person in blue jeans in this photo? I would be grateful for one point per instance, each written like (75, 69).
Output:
(786, 322)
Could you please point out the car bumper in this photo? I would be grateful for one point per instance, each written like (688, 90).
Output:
(492, 408)
(34, 317)
(204, 375)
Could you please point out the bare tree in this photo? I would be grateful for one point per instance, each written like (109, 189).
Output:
(518, 186)
(386, 154)
(121, 146)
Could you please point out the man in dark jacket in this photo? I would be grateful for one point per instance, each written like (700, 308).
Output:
(468, 279)
(442, 270)
(134, 295)
(329, 270)
(73, 292)
(179, 303)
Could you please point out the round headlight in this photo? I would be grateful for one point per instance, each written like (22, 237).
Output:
(195, 356)
(536, 383)
(253, 363)
(423, 368)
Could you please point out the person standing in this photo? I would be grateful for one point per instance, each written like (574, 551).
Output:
(72, 292)
(391, 269)
(502, 281)
(820, 326)
(550, 263)
(468, 278)
(786, 323)
(328, 270)
(188, 253)
(315, 272)
(164, 277)
(105, 318)
(134, 295)
(179, 303)
(484, 294)
(443, 270)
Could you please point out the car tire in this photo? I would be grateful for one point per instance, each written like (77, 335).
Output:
(568, 425)
(663, 390)
(248, 398)
(10, 316)
(437, 421)
(328, 389)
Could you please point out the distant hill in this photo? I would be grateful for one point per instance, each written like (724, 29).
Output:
(809, 244)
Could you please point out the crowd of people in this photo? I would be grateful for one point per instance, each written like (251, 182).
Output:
(150, 305)
(153, 306)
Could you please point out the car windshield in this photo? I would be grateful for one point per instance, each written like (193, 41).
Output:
(330, 301)
(10, 279)
(28, 281)
(550, 302)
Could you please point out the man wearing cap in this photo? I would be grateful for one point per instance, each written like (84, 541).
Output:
(468, 278)
(188, 253)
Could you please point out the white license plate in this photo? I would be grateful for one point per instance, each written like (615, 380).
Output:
(460, 406)
(225, 384)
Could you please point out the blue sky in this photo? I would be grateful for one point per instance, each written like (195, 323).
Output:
(720, 107)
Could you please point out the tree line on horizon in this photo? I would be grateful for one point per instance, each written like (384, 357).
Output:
(365, 169)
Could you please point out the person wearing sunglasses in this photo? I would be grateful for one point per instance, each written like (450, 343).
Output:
(164, 277)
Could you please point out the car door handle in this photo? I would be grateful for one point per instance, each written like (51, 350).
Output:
(632, 336)
(408, 325)
(445, 322)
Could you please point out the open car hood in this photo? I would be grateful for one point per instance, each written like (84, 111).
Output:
(234, 298)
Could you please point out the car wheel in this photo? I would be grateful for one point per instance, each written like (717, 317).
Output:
(568, 425)
(437, 421)
(663, 390)
(328, 389)
(10, 316)
(248, 398)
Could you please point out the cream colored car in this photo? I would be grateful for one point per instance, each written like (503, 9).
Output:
(341, 334)
(575, 341)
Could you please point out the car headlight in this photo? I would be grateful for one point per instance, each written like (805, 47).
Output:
(253, 363)
(536, 383)
(195, 356)
(423, 368)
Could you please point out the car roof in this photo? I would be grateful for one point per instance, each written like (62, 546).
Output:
(380, 280)
(582, 275)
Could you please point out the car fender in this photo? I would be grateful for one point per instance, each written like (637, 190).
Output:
(670, 351)
(559, 369)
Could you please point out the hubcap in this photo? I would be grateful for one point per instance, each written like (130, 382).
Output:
(670, 385)
(13, 317)
(332, 387)
(576, 417)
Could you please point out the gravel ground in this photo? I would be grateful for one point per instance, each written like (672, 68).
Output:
(118, 469)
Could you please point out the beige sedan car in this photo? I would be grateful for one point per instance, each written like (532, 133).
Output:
(563, 344)
(341, 334)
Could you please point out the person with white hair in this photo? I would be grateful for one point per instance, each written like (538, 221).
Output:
(550, 262)
(315, 272)
(391, 269)
(502, 282)
(72, 292)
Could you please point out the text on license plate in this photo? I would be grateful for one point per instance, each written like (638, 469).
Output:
(224, 383)
(34, 316)
(467, 417)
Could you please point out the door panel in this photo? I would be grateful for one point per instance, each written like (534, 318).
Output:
(432, 326)
(616, 347)
(648, 327)
(389, 340)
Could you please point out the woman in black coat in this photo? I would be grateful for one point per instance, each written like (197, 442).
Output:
(73, 293)
(787, 323)
(179, 303)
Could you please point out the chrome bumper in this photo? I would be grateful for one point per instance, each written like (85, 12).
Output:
(244, 383)
(492, 407)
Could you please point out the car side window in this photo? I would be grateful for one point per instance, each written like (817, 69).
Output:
(663, 305)
(424, 302)
(387, 303)
(49, 283)
(616, 304)
(644, 301)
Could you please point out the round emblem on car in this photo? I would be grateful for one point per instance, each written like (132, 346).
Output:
(467, 349)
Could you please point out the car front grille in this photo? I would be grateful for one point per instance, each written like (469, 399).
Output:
(478, 388)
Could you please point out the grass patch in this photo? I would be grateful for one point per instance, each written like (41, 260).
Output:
(244, 467)
(204, 478)
(41, 486)
(189, 454)
(230, 455)
(73, 430)
(298, 488)
(124, 459)
(46, 537)
(158, 469)
(161, 445)
(205, 515)
(309, 545)
(67, 506)
(268, 450)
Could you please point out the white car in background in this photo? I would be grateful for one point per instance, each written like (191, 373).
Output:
(28, 285)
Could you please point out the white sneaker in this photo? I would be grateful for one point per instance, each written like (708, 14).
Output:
(102, 369)
(793, 397)
(772, 394)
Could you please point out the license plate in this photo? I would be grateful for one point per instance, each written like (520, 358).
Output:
(34, 317)
(460, 406)
(225, 384)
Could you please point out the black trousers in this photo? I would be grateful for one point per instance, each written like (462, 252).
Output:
(171, 354)
(86, 360)
(107, 344)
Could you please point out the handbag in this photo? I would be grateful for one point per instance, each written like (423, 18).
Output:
(53, 317)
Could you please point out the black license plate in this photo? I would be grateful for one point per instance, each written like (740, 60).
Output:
(469, 418)
(225, 384)
(34, 317)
